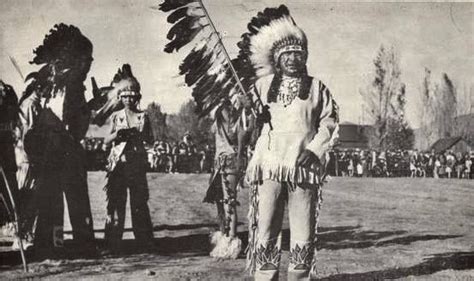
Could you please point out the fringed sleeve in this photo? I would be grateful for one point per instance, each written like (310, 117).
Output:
(327, 123)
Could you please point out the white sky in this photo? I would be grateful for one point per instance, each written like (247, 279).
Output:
(343, 41)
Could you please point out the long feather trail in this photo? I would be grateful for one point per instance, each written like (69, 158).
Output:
(208, 68)
(195, 74)
(192, 60)
(169, 5)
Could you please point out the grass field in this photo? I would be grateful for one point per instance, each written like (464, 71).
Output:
(370, 229)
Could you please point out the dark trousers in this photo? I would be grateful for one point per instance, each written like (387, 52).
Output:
(68, 178)
(127, 176)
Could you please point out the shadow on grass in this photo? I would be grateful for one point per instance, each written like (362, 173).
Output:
(430, 265)
(355, 239)
(332, 238)
(183, 246)
(168, 227)
(351, 237)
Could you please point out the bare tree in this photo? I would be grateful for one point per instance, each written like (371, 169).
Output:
(385, 100)
(440, 109)
(447, 107)
(465, 98)
(427, 112)
(465, 112)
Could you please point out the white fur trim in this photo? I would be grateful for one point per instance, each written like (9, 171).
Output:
(225, 247)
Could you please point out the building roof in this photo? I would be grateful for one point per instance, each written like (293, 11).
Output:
(444, 144)
(464, 127)
(352, 132)
(352, 145)
(352, 136)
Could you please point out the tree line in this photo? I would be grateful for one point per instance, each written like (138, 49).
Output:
(172, 127)
(439, 110)
(384, 99)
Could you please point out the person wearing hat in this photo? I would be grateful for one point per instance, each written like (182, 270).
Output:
(127, 164)
(290, 154)
(54, 118)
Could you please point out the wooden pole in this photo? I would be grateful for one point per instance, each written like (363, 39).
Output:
(229, 61)
(15, 217)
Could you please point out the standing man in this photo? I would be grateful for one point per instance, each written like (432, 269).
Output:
(8, 122)
(192, 164)
(53, 144)
(175, 158)
(288, 161)
(27, 175)
(127, 163)
(229, 166)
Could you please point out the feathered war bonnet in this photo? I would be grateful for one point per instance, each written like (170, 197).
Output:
(125, 83)
(280, 35)
(64, 49)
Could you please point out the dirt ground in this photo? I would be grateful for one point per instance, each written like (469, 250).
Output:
(371, 229)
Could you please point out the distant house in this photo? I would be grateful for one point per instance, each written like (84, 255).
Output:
(462, 126)
(455, 144)
(352, 136)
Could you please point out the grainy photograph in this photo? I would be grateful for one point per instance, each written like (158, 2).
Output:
(236, 140)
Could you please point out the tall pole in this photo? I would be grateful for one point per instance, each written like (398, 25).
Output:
(15, 223)
(234, 72)
(15, 65)
(214, 29)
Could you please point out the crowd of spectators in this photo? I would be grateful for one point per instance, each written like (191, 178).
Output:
(184, 157)
(163, 156)
(401, 163)
(179, 157)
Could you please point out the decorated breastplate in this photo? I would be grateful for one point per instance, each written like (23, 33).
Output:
(136, 121)
(288, 90)
(284, 90)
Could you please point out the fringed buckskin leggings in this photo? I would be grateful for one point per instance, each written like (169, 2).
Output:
(267, 206)
(227, 206)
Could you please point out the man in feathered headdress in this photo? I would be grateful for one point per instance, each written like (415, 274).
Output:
(55, 118)
(127, 165)
(8, 120)
(288, 161)
(298, 115)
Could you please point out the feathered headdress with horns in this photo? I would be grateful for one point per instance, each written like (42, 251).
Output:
(106, 99)
(208, 68)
